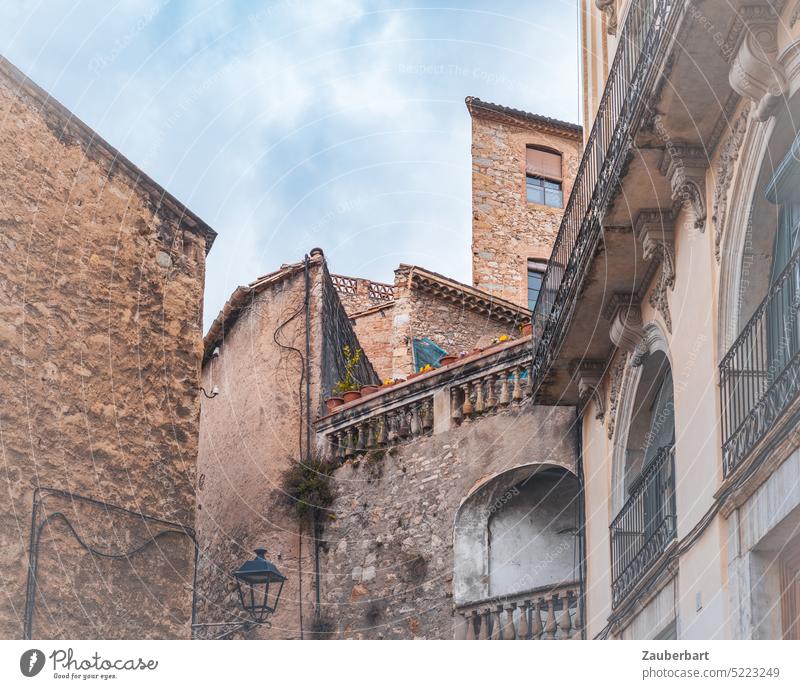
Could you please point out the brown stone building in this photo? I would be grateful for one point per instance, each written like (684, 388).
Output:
(101, 289)
(523, 167)
(449, 484)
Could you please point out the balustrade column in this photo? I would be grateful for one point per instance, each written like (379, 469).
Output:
(517, 393)
(467, 409)
(508, 629)
(495, 615)
(480, 405)
(505, 393)
(536, 621)
(483, 617)
(564, 621)
(456, 414)
(550, 624)
(524, 628)
(491, 400)
(471, 618)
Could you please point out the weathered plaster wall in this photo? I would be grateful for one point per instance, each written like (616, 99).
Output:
(250, 435)
(507, 230)
(100, 336)
(388, 561)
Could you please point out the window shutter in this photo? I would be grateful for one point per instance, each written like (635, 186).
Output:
(543, 163)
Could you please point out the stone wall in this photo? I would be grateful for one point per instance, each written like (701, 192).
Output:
(453, 324)
(101, 283)
(373, 328)
(507, 230)
(387, 568)
(360, 294)
(253, 432)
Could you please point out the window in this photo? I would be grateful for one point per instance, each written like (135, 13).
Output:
(535, 276)
(543, 177)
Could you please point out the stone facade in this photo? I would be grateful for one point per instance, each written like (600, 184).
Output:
(457, 317)
(255, 429)
(101, 283)
(507, 229)
(373, 328)
(387, 569)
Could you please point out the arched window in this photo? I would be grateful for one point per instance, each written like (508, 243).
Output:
(543, 176)
(645, 522)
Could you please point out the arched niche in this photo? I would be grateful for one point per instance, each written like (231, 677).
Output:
(515, 532)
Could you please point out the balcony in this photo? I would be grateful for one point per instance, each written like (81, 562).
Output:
(648, 27)
(549, 613)
(760, 374)
(476, 386)
(645, 526)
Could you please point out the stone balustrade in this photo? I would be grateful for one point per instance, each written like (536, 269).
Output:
(545, 613)
(494, 380)
(490, 392)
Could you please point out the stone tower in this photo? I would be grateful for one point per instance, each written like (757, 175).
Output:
(523, 166)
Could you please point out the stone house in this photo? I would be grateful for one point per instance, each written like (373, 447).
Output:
(101, 288)
(449, 483)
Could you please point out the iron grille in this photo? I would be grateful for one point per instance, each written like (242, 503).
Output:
(760, 374)
(645, 525)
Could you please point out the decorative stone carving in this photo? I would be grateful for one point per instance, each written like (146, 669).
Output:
(657, 237)
(724, 173)
(755, 72)
(608, 8)
(617, 376)
(589, 375)
(684, 165)
(626, 330)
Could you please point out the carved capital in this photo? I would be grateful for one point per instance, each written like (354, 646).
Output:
(755, 72)
(658, 244)
(626, 330)
(609, 8)
(723, 174)
(684, 165)
(589, 376)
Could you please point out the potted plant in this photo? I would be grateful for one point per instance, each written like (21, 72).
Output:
(333, 402)
(369, 390)
(526, 329)
(448, 359)
(348, 387)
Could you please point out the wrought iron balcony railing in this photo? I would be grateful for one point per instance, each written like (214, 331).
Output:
(760, 374)
(642, 40)
(645, 525)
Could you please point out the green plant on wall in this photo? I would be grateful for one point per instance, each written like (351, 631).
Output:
(308, 486)
(352, 357)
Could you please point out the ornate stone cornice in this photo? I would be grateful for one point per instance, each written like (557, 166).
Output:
(755, 72)
(724, 174)
(617, 376)
(589, 377)
(684, 165)
(657, 236)
(626, 330)
(609, 9)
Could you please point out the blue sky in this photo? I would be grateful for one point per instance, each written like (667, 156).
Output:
(291, 124)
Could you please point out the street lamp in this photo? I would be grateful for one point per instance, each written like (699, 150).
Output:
(259, 583)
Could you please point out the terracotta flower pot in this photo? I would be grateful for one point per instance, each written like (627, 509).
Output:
(369, 390)
(527, 329)
(333, 402)
(351, 395)
(414, 375)
(449, 359)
